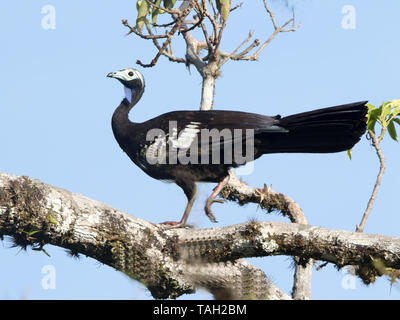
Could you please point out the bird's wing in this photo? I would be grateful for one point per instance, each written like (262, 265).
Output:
(215, 135)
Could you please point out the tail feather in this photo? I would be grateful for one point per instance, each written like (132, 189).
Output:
(325, 130)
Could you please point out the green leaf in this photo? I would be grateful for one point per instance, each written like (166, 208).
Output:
(41, 249)
(224, 8)
(138, 3)
(392, 131)
(386, 108)
(168, 4)
(397, 121)
(373, 115)
(29, 233)
(395, 112)
(142, 13)
(218, 3)
(47, 254)
(349, 153)
(155, 12)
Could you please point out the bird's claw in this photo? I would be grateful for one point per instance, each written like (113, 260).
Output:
(218, 201)
(208, 208)
(210, 215)
(175, 225)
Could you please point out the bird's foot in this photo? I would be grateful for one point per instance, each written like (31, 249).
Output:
(175, 224)
(207, 208)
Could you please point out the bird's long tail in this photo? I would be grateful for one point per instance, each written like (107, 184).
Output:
(320, 131)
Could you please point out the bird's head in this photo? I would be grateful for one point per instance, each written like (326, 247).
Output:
(133, 82)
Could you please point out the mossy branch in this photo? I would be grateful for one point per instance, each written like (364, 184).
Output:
(177, 261)
(35, 214)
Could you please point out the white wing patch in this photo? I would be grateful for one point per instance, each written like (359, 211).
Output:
(186, 136)
(156, 152)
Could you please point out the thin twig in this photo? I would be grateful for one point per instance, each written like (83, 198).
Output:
(243, 43)
(240, 55)
(236, 7)
(271, 14)
(169, 54)
(195, 25)
(181, 15)
(143, 36)
(165, 25)
(226, 56)
(277, 29)
(213, 23)
(376, 144)
(170, 11)
(276, 32)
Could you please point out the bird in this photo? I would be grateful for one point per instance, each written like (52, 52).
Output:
(186, 147)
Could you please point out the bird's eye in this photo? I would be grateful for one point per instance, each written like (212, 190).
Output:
(130, 73)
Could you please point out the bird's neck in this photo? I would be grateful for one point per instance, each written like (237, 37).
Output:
(120, 119)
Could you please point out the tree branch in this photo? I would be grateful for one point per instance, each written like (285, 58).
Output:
(209, 66)
(271, 200)
(166, 53)
(34, 214)
(171, 262)
(277, 29)
(255, 239)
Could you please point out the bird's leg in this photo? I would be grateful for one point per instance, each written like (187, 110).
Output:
(212, 199)
(190, 190)
(187, 210)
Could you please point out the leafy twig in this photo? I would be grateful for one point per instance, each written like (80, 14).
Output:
(386, 116)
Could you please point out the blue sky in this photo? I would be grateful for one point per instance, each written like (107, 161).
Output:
(56, 106)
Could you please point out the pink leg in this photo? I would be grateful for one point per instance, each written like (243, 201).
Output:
(212, 199)
(182, 223)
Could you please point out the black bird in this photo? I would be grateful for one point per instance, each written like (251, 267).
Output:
(186, 147)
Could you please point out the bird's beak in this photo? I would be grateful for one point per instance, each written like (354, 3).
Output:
(117, 75)
(111, 75)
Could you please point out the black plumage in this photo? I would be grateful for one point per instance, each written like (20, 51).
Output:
(172, 146)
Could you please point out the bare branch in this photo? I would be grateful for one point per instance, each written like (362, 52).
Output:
(271, 14)
(277, 29)
(219, 38)
(243, 43)
(141, 35)
(211, 19)
(203, 12)
(165, 25)
(233, 56)
(181, 16)
(236, 7)
(195, 25)
(169, 54)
